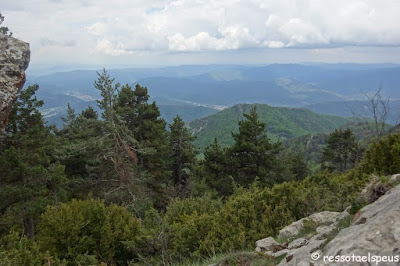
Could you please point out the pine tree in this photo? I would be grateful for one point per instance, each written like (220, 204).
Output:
(89, 113)
(118, 146)
(253, 155)
(70, 115)
(143, 119)
(183, 152)
(30, 177)
(216, 169)
(341, 152)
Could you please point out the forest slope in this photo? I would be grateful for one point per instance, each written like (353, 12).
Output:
(282, 123)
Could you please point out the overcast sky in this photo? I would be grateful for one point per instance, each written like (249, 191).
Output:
(164, 32)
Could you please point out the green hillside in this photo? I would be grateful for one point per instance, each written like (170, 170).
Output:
(282, 123)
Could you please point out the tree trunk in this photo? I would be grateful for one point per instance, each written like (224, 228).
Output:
(29, 227)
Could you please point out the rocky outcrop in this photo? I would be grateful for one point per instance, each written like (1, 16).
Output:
(14, 60)
(298, 244)
(375, 232)
(374, 236)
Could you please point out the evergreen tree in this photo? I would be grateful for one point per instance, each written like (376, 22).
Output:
(183, 152)
(30, 177)
(341, 152)
(216, 169)
(118, 146)
(89, 113)
(293, 165)
(80, 144)
(253, 155)
(70, 115)
(143, 119)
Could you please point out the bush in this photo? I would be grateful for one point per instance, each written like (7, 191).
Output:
(383, 157)
(88, 228)
(17, 250)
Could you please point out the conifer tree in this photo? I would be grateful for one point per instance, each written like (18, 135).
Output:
(89, 113)
(183, 152)
(143, 119)
(118, 145)
(216, 169)
(30, 177)
(341, 152)
(70, 115)
(253, 155)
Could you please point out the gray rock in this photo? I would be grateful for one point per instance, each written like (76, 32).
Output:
(294, 229)
(278, 253)
(303, 254)
(376, 231)
(266, 244)
(298, 243)
(14, 60)
(325, 229)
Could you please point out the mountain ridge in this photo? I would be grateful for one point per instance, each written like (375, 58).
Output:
(282, 123)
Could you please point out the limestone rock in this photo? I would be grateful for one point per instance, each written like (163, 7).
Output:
(376, 231)
(298, 251)
(298, 243)
(294, 229)
(266, 244)
(14, 60)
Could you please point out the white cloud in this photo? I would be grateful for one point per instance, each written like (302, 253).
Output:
(97, 28)
(109, 48)
(124, 27)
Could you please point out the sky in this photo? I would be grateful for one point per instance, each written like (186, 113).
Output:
(166, 32)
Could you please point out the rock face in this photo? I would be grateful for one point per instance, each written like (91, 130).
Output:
(317, 218)
(14, 60)
(300, 248)
(373, 236)
(376, 231)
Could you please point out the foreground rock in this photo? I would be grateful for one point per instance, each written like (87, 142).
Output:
(375, 234)
(14, 60)
(376, 231)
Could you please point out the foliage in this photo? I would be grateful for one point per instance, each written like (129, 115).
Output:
(183, 152)
(253, 155)
(216, 169)
(281, 123)
(341, 152)
(88, 227)
(30, 177)
(4, 30)
(187, 211)
(17, 250)
(383, 157)
(143, 120)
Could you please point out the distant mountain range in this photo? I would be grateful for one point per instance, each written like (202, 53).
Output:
(282, 123)
(198, 90)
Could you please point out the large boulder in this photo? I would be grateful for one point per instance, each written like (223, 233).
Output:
(14, 60)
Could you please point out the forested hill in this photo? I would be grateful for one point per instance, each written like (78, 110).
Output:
(282, 123)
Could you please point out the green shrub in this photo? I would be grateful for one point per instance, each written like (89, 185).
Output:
(83, 228)
(17, 250)
(383, 157)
